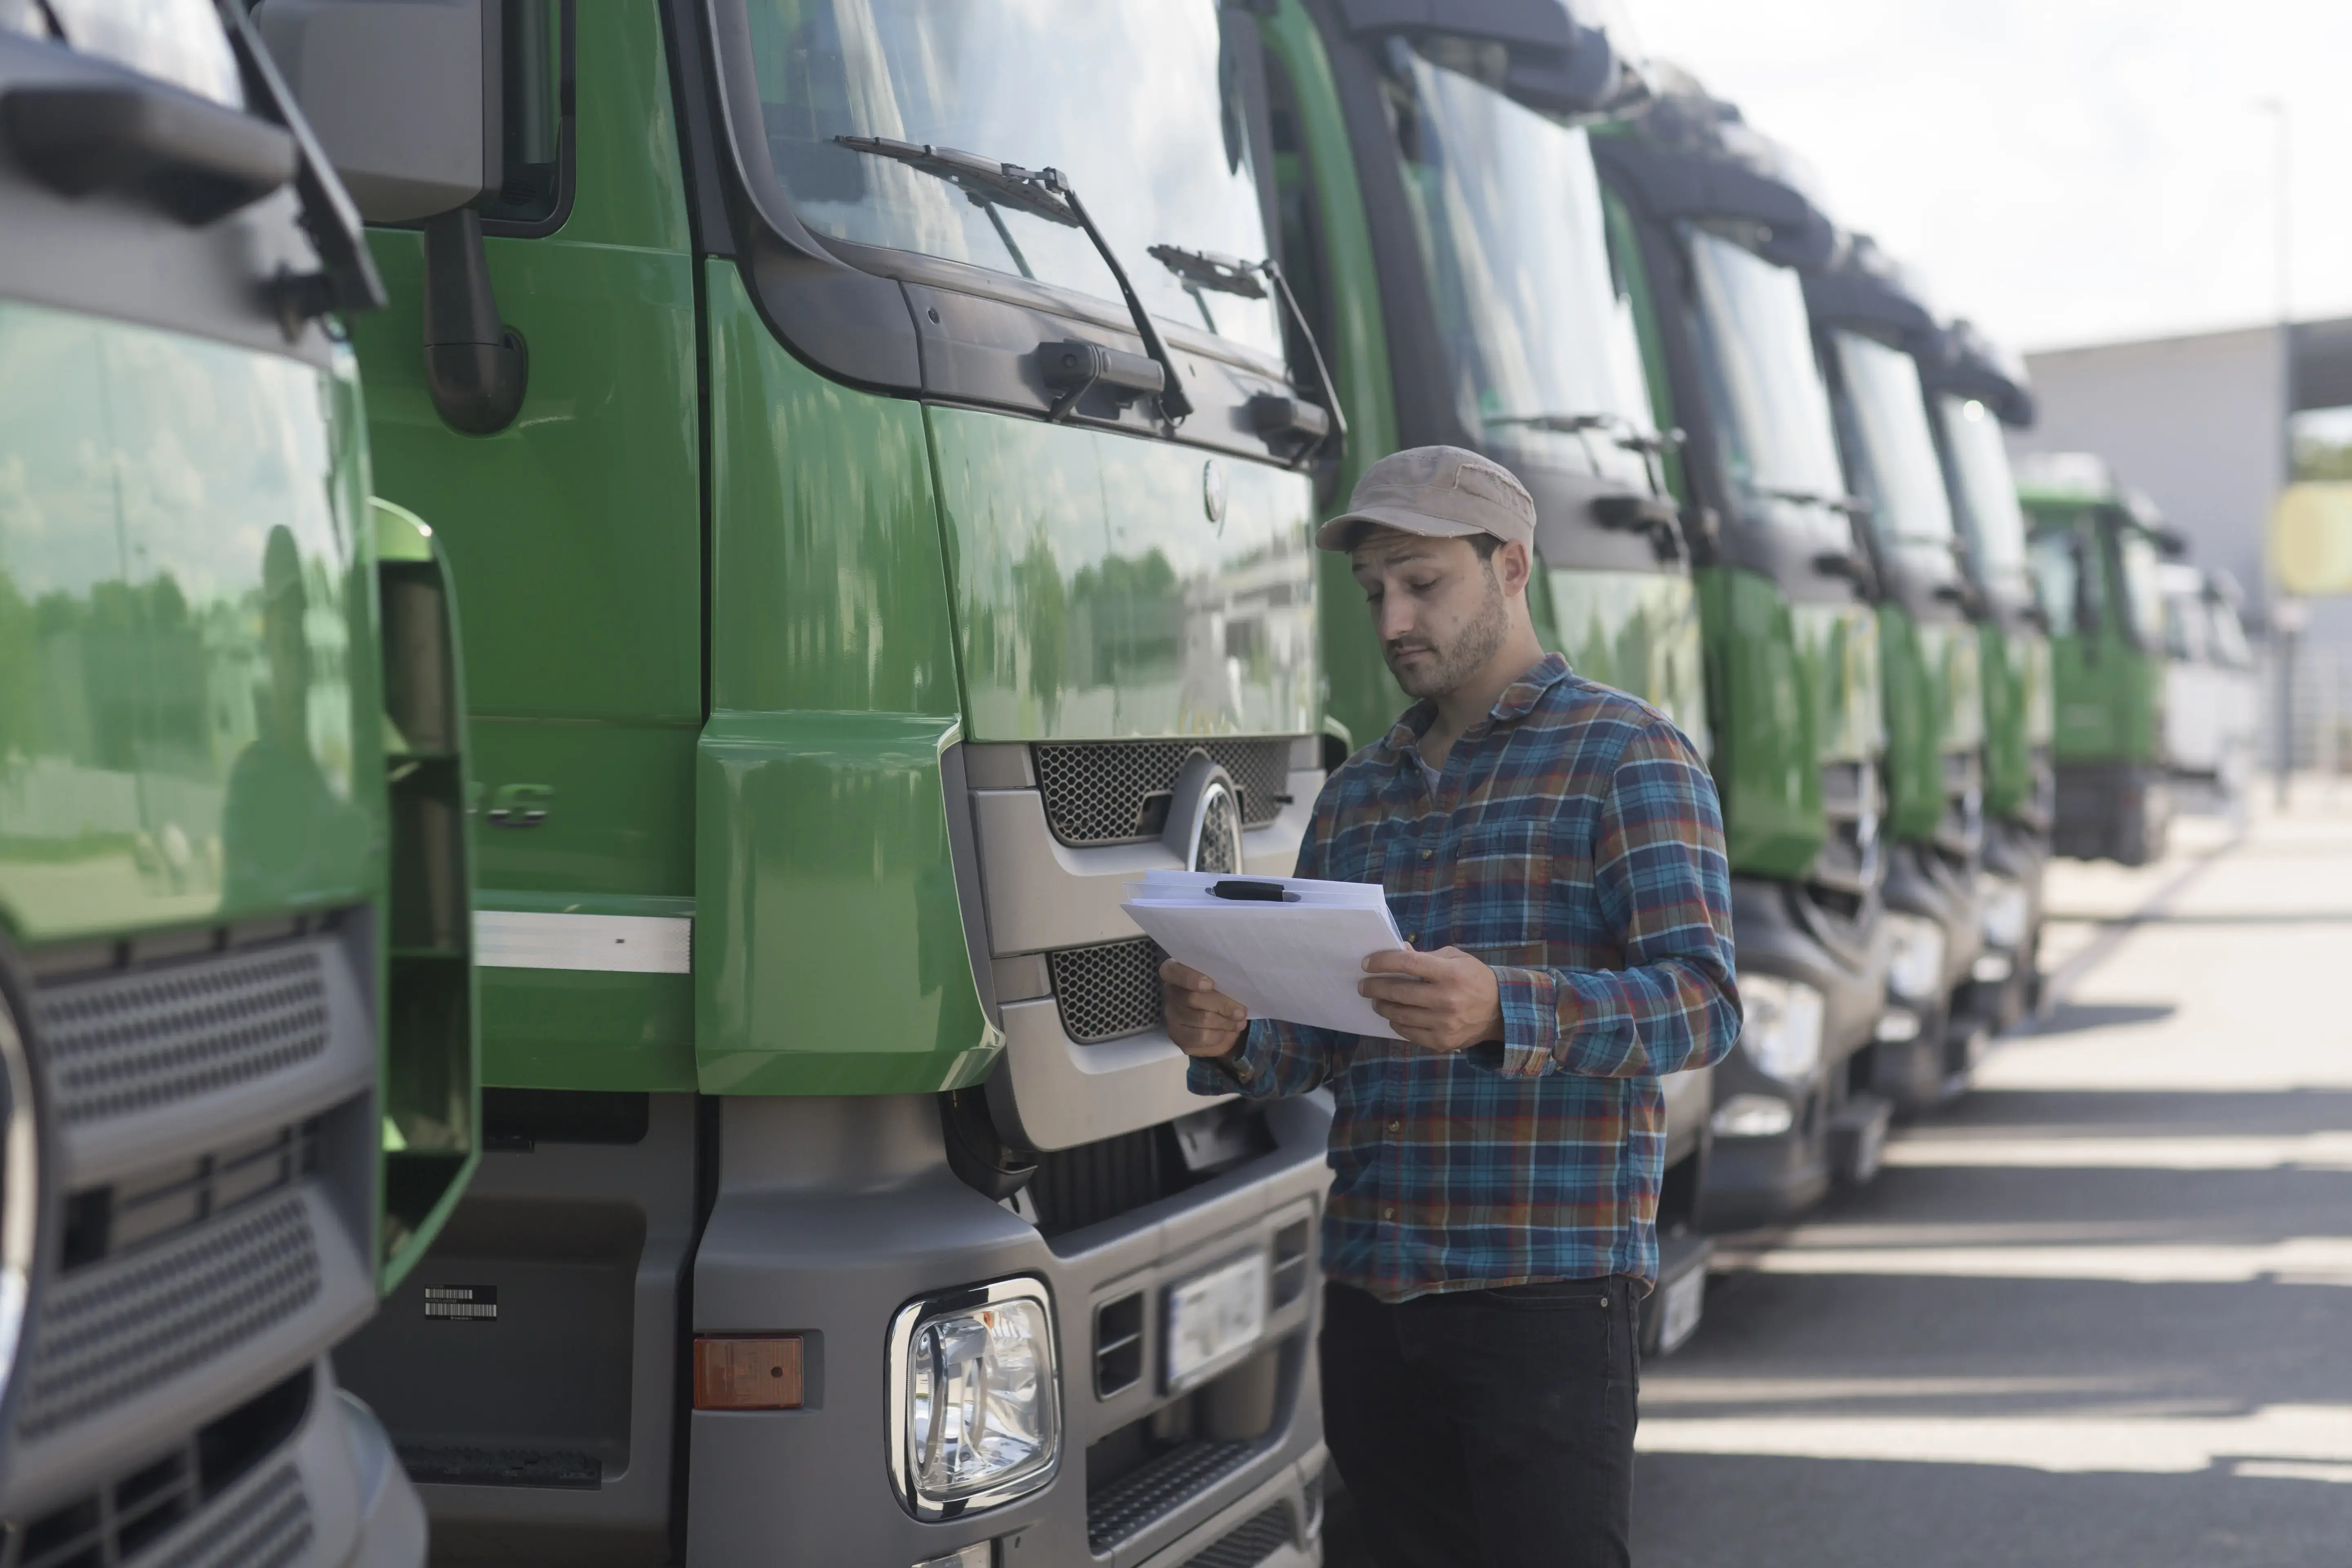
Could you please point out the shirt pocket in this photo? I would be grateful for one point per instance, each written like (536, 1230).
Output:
(1503, 889)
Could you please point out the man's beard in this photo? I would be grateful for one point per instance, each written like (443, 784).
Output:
(1461, 659)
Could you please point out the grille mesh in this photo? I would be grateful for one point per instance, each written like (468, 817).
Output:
(1096, 792)
(1108, 992)
(1166, 1484)
(1253, 1541)
(115, 1332)
(268, 1528)
(130, 1042)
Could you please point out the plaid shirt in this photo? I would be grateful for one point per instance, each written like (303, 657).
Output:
(1575, 843)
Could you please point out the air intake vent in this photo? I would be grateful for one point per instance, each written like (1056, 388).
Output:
(1107, 992)
(1258, 1538)
(1096, 1182)
(1116, 792)
(110, 1332)
(1119, 1345)
(103, 1222)
(1290, 1260)
(119, 1521)
(127, 1043)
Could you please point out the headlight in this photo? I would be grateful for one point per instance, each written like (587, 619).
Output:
(1917, 965)
(1780, 1025)
(1753, 1116)
(976, 1413)
(2005, 907)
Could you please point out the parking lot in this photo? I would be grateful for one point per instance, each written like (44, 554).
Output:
(2094, 1310)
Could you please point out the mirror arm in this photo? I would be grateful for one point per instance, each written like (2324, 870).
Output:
(476, 366)
(1334, 442)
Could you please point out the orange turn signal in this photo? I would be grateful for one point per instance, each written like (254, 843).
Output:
(747, 1374)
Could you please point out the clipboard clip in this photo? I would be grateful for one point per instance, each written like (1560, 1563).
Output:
(1253, 893)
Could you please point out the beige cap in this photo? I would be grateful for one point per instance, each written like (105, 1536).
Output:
(1443, 492)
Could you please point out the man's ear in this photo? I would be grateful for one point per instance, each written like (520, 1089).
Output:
(1514, 565)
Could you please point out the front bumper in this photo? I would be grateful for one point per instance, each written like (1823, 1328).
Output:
(780, 1255)
(2112, 811)
(2005, 982)
(1913, 1072)
(1756, 1180)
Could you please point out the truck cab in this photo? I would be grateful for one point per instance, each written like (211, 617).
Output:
(236, 997)
(1975, 392)
(2211, 696)
(1457, 208)
(1720, 225)
(1870, 329)
(885, 458)
(2097, 551)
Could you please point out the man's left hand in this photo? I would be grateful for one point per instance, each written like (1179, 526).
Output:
(1441, 1001)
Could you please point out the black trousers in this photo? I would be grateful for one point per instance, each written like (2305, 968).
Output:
(1487, 1428)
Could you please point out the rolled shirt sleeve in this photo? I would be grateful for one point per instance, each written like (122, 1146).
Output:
(1663, 882)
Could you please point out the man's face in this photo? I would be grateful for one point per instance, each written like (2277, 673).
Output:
(1440, 611)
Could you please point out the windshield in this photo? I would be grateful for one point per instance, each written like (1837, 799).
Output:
(1538, 331)
(1139, 106)
(1909, 505)
(177, 41)
(2057, 577)
(1771, 411)
(2184, 626)
(2229, 644)
(2143, 592)
(1990, 516)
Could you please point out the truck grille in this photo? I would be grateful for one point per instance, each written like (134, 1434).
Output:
(1107, 992)
(128, 1043)
(1116, 792)
(117, 1522)
(1960, 831)
(1853, 801)
(116, 1330)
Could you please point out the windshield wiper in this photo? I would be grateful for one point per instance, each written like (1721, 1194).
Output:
(1622, 430)
(1044, 194)
(1271, 413)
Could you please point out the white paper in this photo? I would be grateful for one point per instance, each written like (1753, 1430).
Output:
(1297, 961)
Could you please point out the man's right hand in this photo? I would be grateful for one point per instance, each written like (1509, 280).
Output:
(1203, 1020)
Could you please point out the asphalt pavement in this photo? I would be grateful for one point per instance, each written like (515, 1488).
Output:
(2096, 1311)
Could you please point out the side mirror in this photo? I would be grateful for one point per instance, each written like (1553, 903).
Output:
(408, 98)
(404, 96)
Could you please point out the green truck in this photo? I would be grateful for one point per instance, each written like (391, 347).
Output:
(1791, 647)
(1870, 330)
(237, 1004)
(2096, 551)
(1449, 240)
(879, 462)
(1975, 391)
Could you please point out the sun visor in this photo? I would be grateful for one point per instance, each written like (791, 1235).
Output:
(1972, 366)
(1672, 183)
(1575, 60)
(1864, 287)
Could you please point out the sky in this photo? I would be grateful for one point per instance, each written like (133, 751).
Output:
(2064, 171)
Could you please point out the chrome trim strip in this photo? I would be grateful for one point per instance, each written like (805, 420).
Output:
(621, 944)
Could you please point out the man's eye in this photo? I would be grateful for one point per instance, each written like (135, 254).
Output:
(1423, 586)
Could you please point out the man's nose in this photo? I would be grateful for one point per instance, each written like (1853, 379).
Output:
(1395, 616)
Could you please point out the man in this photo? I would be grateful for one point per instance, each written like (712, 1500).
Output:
(1553, 852)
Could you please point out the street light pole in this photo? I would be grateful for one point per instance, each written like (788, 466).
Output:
(2285, 616)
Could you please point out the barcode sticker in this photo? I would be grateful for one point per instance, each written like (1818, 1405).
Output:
(462, 1303)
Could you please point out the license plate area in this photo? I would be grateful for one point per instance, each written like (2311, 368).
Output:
(1679, 1307)
(1214, 1320)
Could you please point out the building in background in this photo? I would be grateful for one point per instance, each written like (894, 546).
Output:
(2204, 425)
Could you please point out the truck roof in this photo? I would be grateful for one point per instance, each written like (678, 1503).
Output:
(1971, 364)
(1695, 156)
(1863, 287)
(1572, 58)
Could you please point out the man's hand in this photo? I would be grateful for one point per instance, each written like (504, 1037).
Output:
(1203, 1020)
(1441, 1001)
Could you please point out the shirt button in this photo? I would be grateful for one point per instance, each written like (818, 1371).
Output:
(1388, 1212)
(1429, 854)
(1412, 936)
(1396, 1126)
